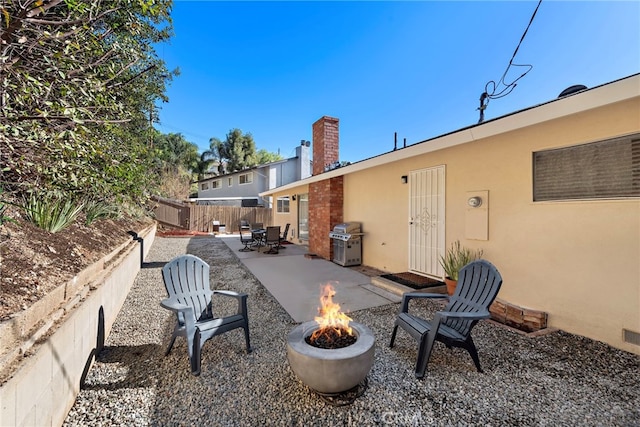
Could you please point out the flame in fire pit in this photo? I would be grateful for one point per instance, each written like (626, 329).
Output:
(331, 321)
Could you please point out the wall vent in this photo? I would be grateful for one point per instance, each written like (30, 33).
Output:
(631, 337)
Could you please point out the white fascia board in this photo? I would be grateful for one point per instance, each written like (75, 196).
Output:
(221, 198)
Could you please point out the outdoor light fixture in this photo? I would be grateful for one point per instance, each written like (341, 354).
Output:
(293, 197)
(474, 202)
(404, 179)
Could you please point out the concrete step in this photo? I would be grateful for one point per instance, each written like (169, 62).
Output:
(398, 289)
(391, 296)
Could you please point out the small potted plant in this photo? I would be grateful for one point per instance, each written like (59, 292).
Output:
(456, 257)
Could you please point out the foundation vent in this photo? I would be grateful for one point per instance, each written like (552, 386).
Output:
(631, 337)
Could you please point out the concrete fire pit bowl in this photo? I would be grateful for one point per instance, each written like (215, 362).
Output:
(330, 371)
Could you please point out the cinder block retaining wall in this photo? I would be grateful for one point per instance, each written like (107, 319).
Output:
(46, 350)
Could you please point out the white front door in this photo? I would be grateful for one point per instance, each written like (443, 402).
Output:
(426, 222)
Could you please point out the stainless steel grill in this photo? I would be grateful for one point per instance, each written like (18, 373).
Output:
(347, 244)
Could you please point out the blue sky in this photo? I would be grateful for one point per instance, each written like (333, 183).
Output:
(417, 68)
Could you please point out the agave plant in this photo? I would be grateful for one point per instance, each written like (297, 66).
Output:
(456, 257)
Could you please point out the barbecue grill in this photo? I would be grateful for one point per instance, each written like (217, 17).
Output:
(347, 245)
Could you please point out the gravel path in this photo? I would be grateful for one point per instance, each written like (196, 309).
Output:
(557, 379)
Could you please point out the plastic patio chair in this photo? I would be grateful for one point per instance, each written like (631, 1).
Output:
(186, 279)
(478, 285)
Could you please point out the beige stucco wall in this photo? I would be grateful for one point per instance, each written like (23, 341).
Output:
(291, 217)
(579, 261)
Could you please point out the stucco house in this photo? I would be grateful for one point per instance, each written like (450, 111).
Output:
(243, 188)
(559, 212)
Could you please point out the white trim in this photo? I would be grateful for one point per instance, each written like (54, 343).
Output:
(250, 174)
(283, 198)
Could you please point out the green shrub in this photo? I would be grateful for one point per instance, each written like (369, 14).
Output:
(95, 210)
(50, 212)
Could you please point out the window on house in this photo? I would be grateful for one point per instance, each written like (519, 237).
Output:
(204, 186)
(599, 170)
(230, 182)
(283, 204)
(246, 178)
(216, 184)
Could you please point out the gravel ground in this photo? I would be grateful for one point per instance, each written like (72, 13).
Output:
(558, 379)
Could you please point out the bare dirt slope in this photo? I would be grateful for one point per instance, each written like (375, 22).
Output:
(34, 261)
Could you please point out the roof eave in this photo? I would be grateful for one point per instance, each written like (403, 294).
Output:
(599, 96)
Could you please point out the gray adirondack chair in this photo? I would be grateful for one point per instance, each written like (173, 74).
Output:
(478, 284)
(186, 279)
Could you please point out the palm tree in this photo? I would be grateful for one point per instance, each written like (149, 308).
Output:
(203, 165)
(177, 152)
(215, 153)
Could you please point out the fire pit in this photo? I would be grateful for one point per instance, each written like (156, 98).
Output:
(347, 354)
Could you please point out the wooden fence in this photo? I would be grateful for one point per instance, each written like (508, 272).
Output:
(190, 216)
(202, 217)
(172, 212)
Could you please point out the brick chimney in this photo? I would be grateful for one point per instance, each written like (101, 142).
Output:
(325, 197)
(325, 143)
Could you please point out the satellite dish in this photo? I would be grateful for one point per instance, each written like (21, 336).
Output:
(571, 90)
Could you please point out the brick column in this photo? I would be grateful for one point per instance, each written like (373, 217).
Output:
(325, 211)
(325, 197)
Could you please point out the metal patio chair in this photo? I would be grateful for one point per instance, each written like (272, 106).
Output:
(283, 236)
(246, 238)
(478, 284)
(272, 239)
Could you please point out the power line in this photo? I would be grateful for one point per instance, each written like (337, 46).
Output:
(508, 87)
(182, 131)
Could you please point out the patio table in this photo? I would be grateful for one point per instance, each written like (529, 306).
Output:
(258, 237)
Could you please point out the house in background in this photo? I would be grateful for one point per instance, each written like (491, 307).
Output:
(558, 187)
(242, 188)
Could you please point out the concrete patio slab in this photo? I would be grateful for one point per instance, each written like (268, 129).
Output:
(296, 281)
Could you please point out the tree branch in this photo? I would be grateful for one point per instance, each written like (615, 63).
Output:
(146, 70)
(87, 20)
(39, 10)
(61, 118)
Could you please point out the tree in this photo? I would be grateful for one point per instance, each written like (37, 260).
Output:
(202, 167)
(175, 162)
(214, 154)
(237, 151)
(176, 152)
(265, 156)
(78, 80)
